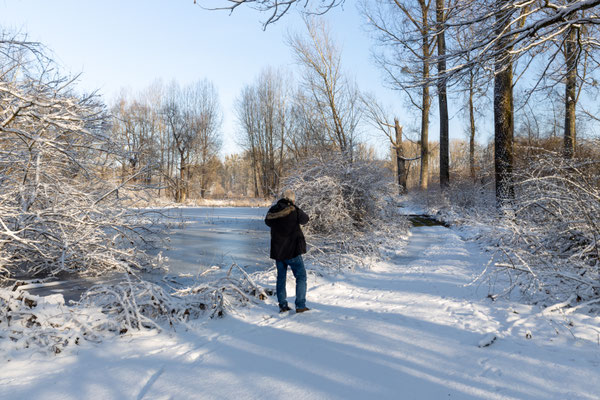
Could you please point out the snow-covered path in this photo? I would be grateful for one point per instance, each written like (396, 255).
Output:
(409, 328)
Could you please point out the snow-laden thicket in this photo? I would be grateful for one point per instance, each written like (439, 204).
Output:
(553, 236)
(347, 201)
(57, 213)
(546, 240)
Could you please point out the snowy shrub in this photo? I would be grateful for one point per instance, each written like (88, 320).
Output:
(138, 304)
(120, 307)
(46, 322)
(347, 202)
(342, 196)
(134, 305)
(218, 296)
(57, 214)
(546, 240)
(552, 240)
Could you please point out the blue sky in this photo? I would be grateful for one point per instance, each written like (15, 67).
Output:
(117, 43)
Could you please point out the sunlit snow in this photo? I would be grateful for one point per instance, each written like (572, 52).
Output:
(411, 327)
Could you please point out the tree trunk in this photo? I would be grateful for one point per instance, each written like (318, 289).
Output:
(254, 162)
(181, 182)
(471, 129)
(442, 97)
(570, 92)
(203, 185)
(503, 114)
(426, 105)
(400, 162)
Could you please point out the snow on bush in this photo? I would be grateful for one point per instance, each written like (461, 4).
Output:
(346, 201)
(546, 240)
(224, 294)
(553, 237)
(126, 306)
(342, 196)
(46, 323)
(57, 213)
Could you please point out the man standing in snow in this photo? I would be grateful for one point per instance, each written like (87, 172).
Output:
(287, 246)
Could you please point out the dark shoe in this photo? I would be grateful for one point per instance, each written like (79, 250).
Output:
(299, 310)
(284, 309)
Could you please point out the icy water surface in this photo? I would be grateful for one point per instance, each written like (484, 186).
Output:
(220, 236)
(200, 237)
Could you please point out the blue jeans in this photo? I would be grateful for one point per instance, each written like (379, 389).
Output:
(297, 266)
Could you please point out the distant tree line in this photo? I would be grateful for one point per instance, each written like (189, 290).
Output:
(170, 136)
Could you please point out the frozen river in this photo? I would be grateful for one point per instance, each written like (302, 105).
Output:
(200, 237)
(217, 236)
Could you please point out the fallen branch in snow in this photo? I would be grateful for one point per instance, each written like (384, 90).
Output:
(487, 340)
(560, 305)
(580, 306)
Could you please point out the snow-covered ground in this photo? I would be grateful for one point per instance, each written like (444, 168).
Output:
(411, 327)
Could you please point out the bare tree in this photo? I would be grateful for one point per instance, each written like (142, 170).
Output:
(335, 99)
(262, 113)
(474, 84)
(441, 15)
(404, 34)
(503, 105)
(377, 116)
(192, 118)
(203, 120)
(578, 45)
(182, 138)
(135, 127)
(571, 56)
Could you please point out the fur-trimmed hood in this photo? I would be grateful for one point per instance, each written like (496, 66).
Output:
(283, 208)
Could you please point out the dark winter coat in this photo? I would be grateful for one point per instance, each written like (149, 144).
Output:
(287, 239)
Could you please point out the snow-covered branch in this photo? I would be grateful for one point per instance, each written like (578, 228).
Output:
(52, 142)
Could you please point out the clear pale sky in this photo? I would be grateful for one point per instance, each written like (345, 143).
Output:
(129, 44)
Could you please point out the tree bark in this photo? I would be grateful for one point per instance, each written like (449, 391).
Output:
(471, 128)
(503, 113)
(181, 184)
(570, 92)
(400, 161)
(442, 96)
(426, 105)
